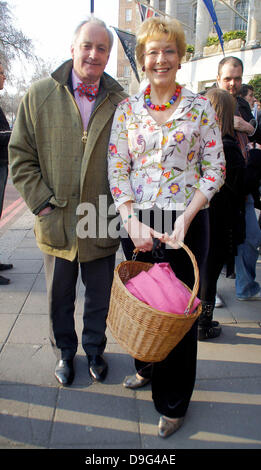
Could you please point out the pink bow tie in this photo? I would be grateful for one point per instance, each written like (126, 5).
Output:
(90, 91)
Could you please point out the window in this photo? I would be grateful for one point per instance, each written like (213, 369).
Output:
(242, 8)
(162, 5)
(194, 16)
(128, 14)
(127, 71)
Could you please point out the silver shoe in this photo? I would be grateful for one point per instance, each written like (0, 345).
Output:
(167, 427)
(134, 382)
(218, 301)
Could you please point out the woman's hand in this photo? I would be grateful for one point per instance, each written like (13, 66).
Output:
(181, 227)
(183, 221)
(142, 235)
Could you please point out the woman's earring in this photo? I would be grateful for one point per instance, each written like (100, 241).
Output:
(143, 68)
(179, 66)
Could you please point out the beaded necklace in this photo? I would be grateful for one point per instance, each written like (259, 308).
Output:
(161, 107)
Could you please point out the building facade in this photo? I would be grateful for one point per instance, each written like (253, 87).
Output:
(244, 15)
(127, 22)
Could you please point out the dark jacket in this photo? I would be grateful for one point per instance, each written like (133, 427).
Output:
(227, 208)
(4, 139)
(243, 109)
(253, 176)
(254, 155)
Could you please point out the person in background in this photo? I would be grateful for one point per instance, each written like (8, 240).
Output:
(247, 92)
(58, 155)
(230, 72)
(5, 134)
(165, 163)
(226, 215)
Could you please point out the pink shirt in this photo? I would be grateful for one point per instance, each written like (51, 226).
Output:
(85, 106)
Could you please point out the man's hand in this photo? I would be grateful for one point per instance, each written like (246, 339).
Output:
(243, 126)
(45, 211)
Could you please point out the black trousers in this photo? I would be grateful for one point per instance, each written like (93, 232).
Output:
(61, 280)
(219, 254)
(216, 260)
(173, 379)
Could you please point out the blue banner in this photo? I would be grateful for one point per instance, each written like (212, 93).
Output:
(211, 10)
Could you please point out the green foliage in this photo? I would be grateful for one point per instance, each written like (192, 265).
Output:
(227, 37)
(190, 48)
(256, 84)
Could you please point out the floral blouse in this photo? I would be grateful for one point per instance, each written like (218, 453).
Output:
(164, 164)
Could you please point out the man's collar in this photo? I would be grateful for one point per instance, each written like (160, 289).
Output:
(76, 80)
(63, 74)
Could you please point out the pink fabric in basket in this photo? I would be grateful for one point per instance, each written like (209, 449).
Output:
(161, 289)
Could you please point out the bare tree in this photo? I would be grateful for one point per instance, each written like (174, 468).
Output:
(11, 101)
(13, 43)
(42, 68)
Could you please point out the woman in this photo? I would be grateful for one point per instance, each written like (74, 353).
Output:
(226, 213)
(165, 158)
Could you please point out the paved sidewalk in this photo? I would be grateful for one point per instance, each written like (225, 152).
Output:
(225, 411)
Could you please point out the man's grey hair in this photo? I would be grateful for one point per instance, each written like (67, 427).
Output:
(97, 21)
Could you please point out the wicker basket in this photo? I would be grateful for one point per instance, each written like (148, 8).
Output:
(144, 332)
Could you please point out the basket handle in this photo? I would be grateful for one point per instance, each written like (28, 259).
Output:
(196, 275)
(196, 271)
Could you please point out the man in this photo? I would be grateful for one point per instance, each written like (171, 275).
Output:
(230, 72)
(58, 154)
(5, 133)
(247, 92)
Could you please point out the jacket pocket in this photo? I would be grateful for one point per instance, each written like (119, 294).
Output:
(107, 223)
(49, 228)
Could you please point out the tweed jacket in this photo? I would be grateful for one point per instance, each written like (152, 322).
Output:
(53, 159)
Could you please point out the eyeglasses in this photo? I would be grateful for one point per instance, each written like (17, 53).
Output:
(156, 52)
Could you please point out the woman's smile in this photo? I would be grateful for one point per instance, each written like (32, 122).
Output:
(161, 61)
